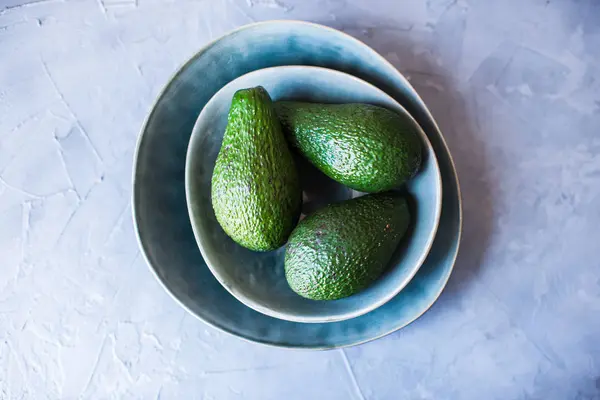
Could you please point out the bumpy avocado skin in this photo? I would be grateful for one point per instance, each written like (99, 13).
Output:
(341, 249)
(365, 147)
(256, 193)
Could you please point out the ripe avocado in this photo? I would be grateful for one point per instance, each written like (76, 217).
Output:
(365, 147)
(255, 190)
(342, 248)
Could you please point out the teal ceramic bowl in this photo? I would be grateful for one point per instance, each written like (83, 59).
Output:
(159, 203)
(258, 279)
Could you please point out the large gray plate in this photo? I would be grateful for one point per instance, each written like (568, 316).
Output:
(159, 202)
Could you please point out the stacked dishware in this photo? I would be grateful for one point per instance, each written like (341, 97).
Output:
(245, 292)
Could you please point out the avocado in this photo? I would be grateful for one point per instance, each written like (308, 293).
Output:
(341, 249)
(255, 190)
(365, 147)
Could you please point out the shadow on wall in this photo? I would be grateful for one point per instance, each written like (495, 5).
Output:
(455, 116)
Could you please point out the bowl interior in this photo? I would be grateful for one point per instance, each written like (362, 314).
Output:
(257, 279)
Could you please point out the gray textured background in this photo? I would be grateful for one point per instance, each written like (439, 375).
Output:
(515, 87)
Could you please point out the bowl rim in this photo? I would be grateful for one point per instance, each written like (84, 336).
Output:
(211, 322)
(363, 307)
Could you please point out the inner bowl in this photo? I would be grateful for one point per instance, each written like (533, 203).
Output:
(258, 279)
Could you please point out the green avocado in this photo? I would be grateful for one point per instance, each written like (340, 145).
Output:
(365, 147)
(256, 192)
(342, 248)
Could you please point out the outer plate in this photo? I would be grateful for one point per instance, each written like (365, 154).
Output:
(159, 203)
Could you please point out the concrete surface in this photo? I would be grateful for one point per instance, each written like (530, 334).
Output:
(515, 86)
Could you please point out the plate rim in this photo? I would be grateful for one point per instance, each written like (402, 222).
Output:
(139, 144)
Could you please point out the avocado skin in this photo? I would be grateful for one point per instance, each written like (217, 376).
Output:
(365, 147)
(341, 249)
(256, 193)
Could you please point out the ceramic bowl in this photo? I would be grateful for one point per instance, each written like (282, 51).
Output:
(159, 203)
(258, 279)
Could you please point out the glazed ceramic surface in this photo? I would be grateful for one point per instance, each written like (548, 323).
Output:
(159, 201)
(258, 279)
